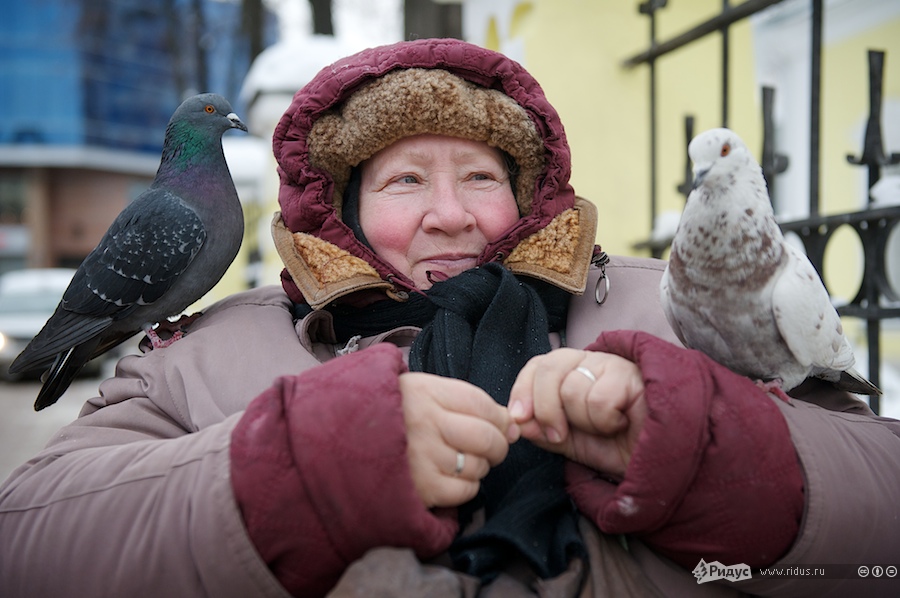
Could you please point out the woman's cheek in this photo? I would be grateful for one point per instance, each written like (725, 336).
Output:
(497, 217)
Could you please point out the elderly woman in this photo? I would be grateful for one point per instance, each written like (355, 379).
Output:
(454, 393)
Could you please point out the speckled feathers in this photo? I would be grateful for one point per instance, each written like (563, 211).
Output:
(737, 291)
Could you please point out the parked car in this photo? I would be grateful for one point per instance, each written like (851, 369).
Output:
(27, 300)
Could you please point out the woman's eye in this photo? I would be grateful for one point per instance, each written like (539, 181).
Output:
(486, 176)
(408, 179)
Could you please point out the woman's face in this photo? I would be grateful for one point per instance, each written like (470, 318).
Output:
(432, 203)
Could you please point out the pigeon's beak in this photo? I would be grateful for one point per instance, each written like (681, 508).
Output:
(700, 174)
(236, 121)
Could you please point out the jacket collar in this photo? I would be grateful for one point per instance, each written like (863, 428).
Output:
(559, 253)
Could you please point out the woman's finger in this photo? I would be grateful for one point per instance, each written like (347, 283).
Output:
(605, 408)
(455, 432)
(541, 385)
(472, 435)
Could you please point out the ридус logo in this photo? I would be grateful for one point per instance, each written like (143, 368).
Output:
(714, 571)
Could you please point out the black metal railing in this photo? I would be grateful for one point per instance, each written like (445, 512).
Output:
(876, 300)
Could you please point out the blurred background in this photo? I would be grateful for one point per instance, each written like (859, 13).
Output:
(812, 86)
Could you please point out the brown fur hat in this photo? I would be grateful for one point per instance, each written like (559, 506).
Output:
(414, 101)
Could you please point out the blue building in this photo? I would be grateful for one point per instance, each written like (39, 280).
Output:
(86, 90)
(74, 72)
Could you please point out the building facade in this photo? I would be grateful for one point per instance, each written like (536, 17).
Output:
(86, 90)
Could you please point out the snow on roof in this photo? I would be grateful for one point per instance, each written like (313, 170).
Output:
(289, 65)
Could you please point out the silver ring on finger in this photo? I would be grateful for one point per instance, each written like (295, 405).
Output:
(460, 463)
(587, 373)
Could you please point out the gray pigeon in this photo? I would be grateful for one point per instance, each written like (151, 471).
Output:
(737, 291)
(162, 253)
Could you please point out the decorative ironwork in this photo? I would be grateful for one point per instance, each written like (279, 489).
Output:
(876, 299)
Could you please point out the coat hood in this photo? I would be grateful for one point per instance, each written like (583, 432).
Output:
(352, 109)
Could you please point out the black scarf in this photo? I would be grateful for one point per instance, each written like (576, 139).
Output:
(483, 325)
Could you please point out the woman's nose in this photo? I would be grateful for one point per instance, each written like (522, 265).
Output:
(447, 211)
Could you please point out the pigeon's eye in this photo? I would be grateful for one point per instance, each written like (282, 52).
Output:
(726, 149)
(210, 109)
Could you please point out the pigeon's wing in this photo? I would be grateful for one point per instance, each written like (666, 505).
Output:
(806, 318)
(145, 249)
(142, 254)
(666, 303)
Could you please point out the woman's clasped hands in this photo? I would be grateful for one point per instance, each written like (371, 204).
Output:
(585, 405)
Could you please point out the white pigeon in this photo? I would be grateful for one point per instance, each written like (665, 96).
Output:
(737, 291)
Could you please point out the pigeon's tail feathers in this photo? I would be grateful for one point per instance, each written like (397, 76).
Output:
(62, 372)
(853, 381)
(111, 339)
(62, 331)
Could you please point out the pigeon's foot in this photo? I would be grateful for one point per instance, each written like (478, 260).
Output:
(166, 333)
(774, 387)
(158, 342)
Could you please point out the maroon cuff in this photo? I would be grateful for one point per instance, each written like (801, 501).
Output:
(714, 474)
(320, 472)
